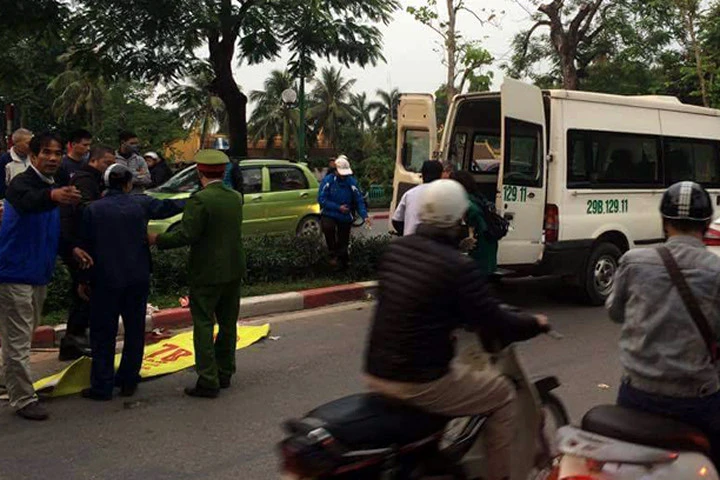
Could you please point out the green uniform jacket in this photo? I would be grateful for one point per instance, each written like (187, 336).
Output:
(485, 252)
(212, 227)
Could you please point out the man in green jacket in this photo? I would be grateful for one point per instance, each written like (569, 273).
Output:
(212, 227)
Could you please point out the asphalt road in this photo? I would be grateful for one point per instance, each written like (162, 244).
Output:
(317, 357)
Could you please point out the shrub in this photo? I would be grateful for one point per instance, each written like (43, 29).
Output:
(269, 259)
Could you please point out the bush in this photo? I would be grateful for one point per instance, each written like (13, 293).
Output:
(269, 259)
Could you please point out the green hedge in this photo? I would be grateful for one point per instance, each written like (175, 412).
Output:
(269, 259)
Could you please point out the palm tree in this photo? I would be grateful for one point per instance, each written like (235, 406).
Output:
(199, 109)
(79, 93)
(361, 110)
(329, 99)
(272, 116)
(384, 107)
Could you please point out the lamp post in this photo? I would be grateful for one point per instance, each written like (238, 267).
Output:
(289, 98)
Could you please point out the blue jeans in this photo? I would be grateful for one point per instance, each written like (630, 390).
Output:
(702, 413)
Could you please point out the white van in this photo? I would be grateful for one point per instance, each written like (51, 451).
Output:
(579, 175)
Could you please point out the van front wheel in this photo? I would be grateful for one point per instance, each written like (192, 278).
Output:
(599, 276)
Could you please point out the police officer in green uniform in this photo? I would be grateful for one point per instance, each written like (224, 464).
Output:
(212, 227)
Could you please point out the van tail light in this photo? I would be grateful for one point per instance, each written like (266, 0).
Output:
(552, 223)
(712, 237)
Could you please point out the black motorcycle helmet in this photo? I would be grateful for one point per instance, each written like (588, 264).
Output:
(686, 201)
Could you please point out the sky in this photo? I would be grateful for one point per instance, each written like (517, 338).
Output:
(411, 50)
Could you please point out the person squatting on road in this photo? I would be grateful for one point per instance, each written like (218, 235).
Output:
(212, 227)
(670, 367)
(88, 180)
(339, 197)
(118, 284)
(428, 289)
(29, 243)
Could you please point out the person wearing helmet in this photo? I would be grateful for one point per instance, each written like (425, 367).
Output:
(428, 289)
(339, 197)
(668, 365)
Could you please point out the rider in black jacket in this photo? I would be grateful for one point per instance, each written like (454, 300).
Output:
(427, 290)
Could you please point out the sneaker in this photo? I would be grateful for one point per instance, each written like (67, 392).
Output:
(202, 392)
(91, 394)
(33, 411)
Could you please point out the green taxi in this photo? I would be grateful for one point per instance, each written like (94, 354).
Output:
(280, 197)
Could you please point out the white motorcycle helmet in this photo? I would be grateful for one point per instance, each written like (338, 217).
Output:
(443, 203)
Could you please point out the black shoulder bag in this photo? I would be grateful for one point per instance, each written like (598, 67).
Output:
(691, 303)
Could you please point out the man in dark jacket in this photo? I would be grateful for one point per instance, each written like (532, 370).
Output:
(76, 157)
(428, 289)
(88, 180)
(159, 169)
(29, 243)
(115, 236)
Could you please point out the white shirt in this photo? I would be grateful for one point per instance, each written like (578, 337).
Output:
(408, 210)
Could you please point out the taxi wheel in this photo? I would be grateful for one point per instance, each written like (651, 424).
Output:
(599, 275)
(309, 227)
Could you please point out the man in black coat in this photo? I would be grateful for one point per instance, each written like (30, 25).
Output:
(88, 180)
(159, 169)
(428, 289)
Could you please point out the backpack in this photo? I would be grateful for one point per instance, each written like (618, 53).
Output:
(497, 226)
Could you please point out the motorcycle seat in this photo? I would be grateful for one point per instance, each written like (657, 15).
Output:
(370, 421)
(635, 426)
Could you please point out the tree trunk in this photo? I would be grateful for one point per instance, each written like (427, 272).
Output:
(451, 47)
(690, 25)
(569, 73)
(224, 86)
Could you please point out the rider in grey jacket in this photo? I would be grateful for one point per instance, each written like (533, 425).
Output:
(668, 369)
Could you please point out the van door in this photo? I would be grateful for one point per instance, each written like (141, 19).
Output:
(416, 142)
(521, 183)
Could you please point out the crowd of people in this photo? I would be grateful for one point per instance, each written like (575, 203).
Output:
(80, 206)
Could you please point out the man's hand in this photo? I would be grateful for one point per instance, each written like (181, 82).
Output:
(82, 258)
(152, 238)
(468, 244)
(66, 195)
(543, 321)
(84, 291)
(368, 223)
(344, 209)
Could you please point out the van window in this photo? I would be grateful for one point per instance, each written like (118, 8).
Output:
(523, 154)
(457, 150)
(416, 149)
(486, 154)
(695, 160)
(612, 160)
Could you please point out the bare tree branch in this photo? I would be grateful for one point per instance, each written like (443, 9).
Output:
(590, 17)
(526, 42)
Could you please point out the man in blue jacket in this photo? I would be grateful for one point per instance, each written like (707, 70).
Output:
(29, 243)
(339, 197)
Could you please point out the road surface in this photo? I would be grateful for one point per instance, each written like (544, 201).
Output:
(164, 435)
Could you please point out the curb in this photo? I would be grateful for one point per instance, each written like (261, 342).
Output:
(380, 216)
(175, 318)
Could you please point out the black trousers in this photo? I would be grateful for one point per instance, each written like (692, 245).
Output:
(337, 236)
(79, 314)
(106, 306)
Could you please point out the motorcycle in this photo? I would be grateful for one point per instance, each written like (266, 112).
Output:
(616, 443)
(367, 436)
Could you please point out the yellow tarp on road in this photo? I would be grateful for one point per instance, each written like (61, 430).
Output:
(168, 356)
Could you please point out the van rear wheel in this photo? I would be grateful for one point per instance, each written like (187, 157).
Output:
(599, 275)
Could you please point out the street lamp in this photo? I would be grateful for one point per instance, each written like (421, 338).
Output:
(290, 98)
